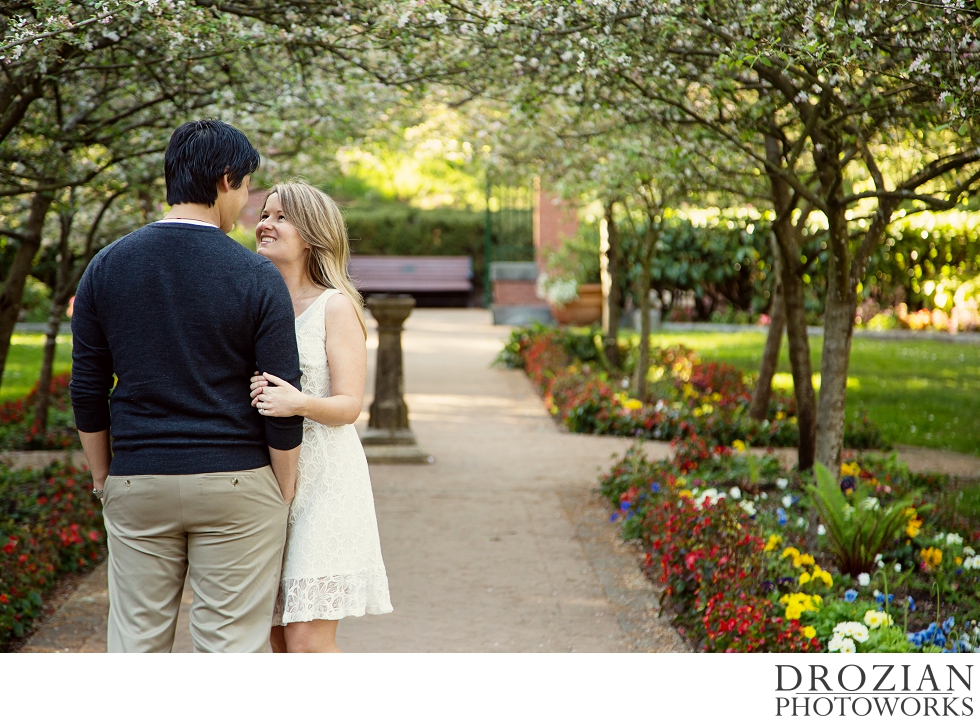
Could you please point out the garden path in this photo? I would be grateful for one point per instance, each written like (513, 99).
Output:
(500, 545)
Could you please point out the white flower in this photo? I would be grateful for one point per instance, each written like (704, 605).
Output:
(874, 619)
(735, 493)
(972, 562)
(864, 579)
(748, 507)
(840, 643)
(782, 483)
(821, 530)
(801, 522)
(763, 495)
(898, 568)
(787, 500)
(953, 539)
(711, 495)
(870, 504)
(855, 630)
(968, 550)
(879, 561)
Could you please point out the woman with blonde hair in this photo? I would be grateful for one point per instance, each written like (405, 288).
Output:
(332, 567)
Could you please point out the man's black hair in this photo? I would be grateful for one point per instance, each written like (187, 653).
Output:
(199, 154)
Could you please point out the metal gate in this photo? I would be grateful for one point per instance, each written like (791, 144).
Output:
(509, 228)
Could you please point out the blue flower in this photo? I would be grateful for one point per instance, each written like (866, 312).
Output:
(768, 586)
(879, 597)
(783, 518)
(629, 515)
(785, 581)
(655, 487)
(949, 624)
(613, 517)
(911, 604)
(847, 484)
(850, 595)
(624, 506)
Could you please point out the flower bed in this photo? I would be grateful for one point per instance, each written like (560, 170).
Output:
(687, 397)
(50, 525)
(17, 429)
(884, 561)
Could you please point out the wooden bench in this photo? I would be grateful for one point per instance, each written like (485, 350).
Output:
(432, 281)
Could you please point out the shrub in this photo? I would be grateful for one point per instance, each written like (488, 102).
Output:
(50, 525)
(395, 229)
(17, 430)
(686, 397)
(859, 529)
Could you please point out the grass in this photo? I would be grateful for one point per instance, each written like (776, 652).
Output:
(24, 363)
(920, 393)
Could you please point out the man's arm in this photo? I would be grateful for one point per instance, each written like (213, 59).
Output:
(91, 381)
(284, 464)
(275, 351)
(99, 455)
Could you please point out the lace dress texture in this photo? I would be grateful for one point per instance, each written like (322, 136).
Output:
(332, 566)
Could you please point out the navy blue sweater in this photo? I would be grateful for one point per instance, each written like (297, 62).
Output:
(182, 315)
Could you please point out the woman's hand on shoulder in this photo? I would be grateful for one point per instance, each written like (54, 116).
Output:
(275, 397)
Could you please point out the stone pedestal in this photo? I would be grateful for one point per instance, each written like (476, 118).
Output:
(388, 438)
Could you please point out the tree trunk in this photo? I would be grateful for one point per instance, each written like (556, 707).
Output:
(610, 262)
(43, 400)
(13, 286)
(770, 356)
(788, 247)
(643, 358)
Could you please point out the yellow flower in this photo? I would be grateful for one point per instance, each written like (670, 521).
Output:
(931, 556)
(774, 541)
(958, 560)
(715, 397)
(798, 603)
(780, 415)
(827, 579)
(804, 578)
(685, 493)
(850, 469)
(633, 404)
(809, 632)
(738, 445)
(790, 551)
(803, 560)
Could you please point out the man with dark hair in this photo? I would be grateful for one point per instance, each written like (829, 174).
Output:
(194, 478)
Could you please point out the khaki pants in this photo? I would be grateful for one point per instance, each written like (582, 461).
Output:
(228, 528)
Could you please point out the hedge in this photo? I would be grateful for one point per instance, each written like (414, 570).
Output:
(50, 525)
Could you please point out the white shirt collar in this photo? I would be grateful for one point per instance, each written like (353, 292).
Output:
(195, 222)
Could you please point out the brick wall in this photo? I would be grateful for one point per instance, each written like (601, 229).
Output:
(515, 292)
(555, 220)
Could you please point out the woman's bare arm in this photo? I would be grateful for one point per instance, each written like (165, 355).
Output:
(347, 353)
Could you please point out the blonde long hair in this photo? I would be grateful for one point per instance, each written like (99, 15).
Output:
(321, 225)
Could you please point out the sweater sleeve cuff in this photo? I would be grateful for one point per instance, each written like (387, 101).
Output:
(284, 434)
(92, 421)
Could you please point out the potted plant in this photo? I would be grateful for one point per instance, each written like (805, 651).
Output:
(570, 281)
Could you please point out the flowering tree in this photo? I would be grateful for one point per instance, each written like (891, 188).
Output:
(851, 110)
(95, 85)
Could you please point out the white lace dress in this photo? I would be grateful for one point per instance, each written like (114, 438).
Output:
(332, 565)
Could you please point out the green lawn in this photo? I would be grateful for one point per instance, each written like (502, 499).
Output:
(918, 392)
(24, 363)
